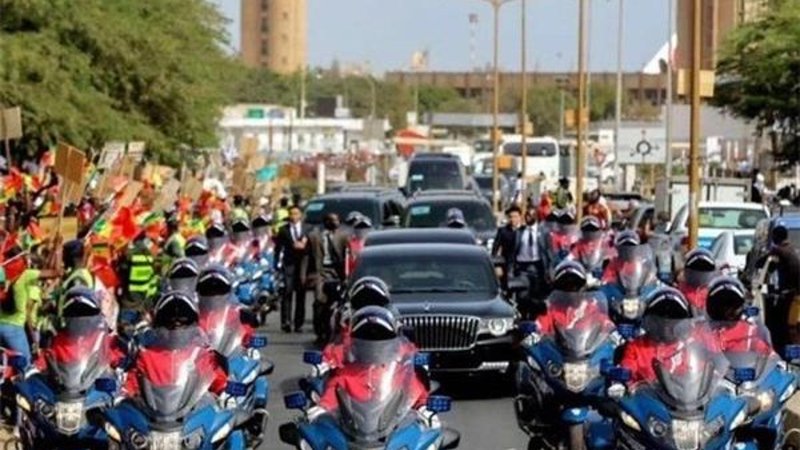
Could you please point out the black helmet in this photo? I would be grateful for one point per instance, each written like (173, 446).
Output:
(569, 276)
(197, 250)
(591, 228)
(700, 267)
(566, 217)
(182, 275)
(215, 282)
(455, 218)
(216, 235)
(72, 252)
(175, 309)
(627, 238)
(373, 323)
(240, 230)
(726, 299)
(368, 291)
(80, 301)
(667, 316)
(352, 217)
(779, 234)
(261, 222)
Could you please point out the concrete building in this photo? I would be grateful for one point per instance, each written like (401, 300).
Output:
(274, 34)
(719, 18)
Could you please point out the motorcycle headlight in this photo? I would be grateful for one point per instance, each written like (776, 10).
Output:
(657, 428)
(766, 400)
(577, 375)
(629, 421)
(686, 434)
(222, 433)
(23, 403)
(112, 432)
(69, 416)
(239, 272)
(496, 327)
(630, 308)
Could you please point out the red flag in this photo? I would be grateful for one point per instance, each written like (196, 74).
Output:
(124, 225)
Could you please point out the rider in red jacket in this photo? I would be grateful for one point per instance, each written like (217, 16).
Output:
(568, 306)
(361, 227)
(699, 269)
(176, 348)
(592, 248)
(725, 308)
(378, 361)
(669, 329)
(220, 315)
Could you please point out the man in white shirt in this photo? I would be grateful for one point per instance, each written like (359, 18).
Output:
(528, 263)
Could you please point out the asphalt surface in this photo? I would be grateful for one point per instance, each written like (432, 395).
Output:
(482, 412)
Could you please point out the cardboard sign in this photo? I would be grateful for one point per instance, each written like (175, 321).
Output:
(111, 153)
(192, 188)
(11, 123)
(248, 147)
(136, 151)
(167, 195)
(69, 227)
(131, 192)
(70, 163)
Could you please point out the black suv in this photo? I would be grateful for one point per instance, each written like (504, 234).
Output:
(435, 171)
(383, 207)
(429, 210)
(448, 297)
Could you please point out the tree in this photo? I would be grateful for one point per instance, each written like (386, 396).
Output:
(544, 109)
(96, 70)
(758, 76)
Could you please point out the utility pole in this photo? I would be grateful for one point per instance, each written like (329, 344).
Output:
(670, 95)
(694, 150)
(618, 106)
(524, 112)
(579, 149)
(496, 4)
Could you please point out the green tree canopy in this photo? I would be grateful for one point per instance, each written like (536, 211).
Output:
(95, 70)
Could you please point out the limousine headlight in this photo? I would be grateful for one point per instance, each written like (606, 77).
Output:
(496, 327)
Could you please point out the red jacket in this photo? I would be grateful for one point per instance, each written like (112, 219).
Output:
(744, 336)
(586, 314)
(230, 317)
(66, 349)
(163, 366)
(640, 354)
(695, 295)
(359, 381)
(354, 247)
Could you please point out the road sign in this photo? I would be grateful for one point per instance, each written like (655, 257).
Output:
(642, 146)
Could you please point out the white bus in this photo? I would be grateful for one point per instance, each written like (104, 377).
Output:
(543, 157)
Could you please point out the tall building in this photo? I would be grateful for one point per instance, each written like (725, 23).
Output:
(719, 18)
(274, 34)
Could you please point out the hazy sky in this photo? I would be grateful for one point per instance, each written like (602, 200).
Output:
(386, 32)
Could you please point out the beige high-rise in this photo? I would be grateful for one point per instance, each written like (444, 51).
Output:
(719, 17)
(274, 34)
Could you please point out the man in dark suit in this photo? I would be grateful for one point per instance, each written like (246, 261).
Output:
(528, 262)
(328, 250)
(291, 250)
(505, 242)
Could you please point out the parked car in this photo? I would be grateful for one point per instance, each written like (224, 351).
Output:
(383, 207)
(715, 218)
(435, 171)
(730, 250)
(419, 236)
(449, 298)
(429, 210)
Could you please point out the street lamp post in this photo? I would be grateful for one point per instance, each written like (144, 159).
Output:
(618, 112)
(524, 108)
(694, 150)
(580, 156)
(496, 4)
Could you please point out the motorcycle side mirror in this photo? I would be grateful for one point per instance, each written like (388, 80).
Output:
(236, 389)
(289, 433)
(527, 327)
(312, 357)
(619, 374)
(257, 341)
(439, 403)
(751, 311)
(107, 385)
(792, 352)
(422, 359)
(744, 374)
(18, 362)
(295, 400)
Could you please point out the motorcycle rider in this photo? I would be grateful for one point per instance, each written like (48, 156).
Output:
(699, 269)
(261, 235)
(625, 238)
(217, 239)
(197, 251)
(373, 327)
(139, 274)
(361, 227)
(240, 244)
(219, 313)
(569, 279)
(560, 237)
(182, 276)
(725, 307)
(455, 219)
(175, 337)
(592, 240)
(175, 245)
(669, 327)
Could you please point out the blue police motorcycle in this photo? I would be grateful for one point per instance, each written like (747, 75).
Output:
(560, 381)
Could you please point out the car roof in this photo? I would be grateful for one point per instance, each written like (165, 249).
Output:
(425, 250)
(344, 195)
(733, 205)
(789, 221)
(419, 236)
(439, 156)
(444, 193)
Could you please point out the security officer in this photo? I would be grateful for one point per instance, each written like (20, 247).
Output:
(174, 246)
(139, 274)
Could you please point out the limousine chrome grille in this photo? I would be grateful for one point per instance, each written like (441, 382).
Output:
(436, 332)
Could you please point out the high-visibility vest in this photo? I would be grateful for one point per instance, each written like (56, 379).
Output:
(142, 277)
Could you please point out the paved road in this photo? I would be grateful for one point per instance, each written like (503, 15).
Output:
(482, 411)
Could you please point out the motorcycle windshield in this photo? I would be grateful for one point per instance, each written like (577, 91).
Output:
(581, 322)
(593, 254)
(171, 389)
(760, 364)
(79, 355)
(687, 378)
(223, 328)
(698, 278)
(372, 409)
(637, 268)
